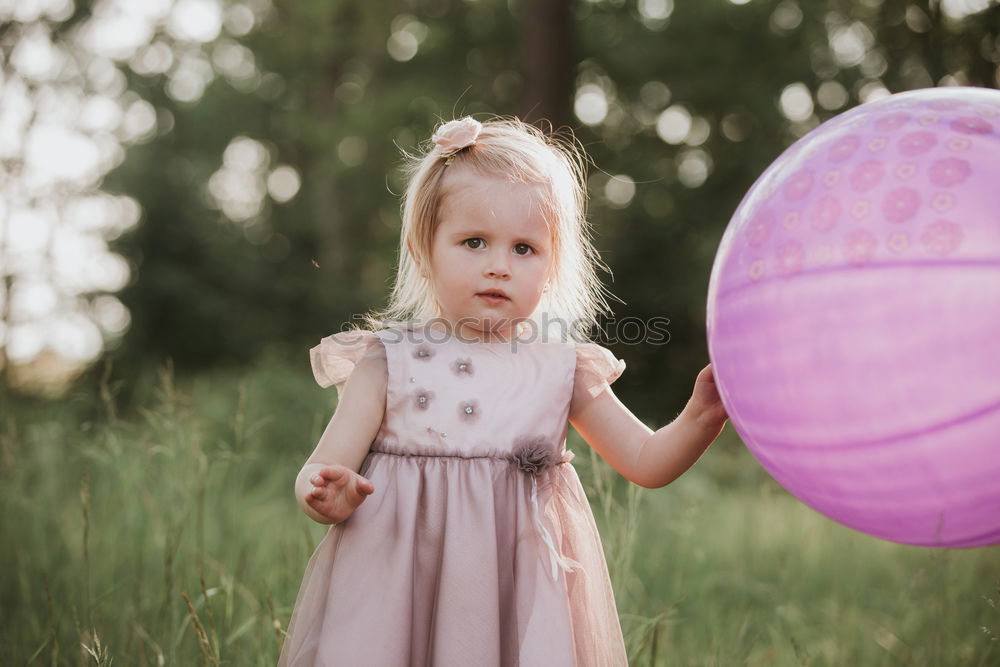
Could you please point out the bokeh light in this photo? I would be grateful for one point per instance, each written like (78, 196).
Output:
(65, 120)
(591, 105)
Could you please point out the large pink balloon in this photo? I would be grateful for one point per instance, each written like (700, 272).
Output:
(854, 318)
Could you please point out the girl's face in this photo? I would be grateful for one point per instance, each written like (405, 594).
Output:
(491, 237)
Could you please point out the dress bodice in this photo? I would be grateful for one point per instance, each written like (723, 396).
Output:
(448, 396)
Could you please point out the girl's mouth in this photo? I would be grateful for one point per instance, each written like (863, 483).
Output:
(492, 298)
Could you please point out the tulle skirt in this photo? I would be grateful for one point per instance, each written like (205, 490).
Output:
(433, 570)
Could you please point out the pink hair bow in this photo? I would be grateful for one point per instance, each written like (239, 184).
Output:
(455, 135)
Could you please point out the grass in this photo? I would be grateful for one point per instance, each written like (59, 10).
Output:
(170, 537)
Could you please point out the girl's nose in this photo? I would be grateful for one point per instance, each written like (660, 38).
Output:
(498, 266)
(498, 273)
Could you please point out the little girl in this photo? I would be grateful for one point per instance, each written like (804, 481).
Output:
(459, 531)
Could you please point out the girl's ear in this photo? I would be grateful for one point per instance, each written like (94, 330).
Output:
(409, 247)
(548, 281)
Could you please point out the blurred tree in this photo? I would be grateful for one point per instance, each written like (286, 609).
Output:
(66, 116)
(269, 187)
(547, 59)
(924, 46)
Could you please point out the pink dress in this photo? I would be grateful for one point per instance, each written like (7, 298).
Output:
(478, 546)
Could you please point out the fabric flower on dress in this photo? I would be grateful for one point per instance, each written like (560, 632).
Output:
(423, 352)
(455, 135)
(423, 398)
(535, 455)
(462, 367)
(468, 411)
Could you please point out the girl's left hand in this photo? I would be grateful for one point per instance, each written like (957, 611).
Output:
(705, 404)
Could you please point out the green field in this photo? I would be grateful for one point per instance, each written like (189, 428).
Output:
(171, 537)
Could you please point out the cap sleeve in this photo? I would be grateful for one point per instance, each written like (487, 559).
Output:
(335, 357)
(595, 367)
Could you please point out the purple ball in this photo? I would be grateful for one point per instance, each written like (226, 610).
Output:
(854, 318)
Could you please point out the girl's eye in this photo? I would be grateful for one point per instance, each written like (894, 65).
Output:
(479, 243)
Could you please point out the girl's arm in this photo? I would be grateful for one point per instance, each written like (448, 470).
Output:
(643, 457)
(353, 427)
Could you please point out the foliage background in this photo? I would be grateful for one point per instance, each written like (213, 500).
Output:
(165, 466)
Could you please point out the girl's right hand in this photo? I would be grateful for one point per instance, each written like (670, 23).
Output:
(337, 491)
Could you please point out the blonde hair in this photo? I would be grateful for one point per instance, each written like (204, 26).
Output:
(510, 148)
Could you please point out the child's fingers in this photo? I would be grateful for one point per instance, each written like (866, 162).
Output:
(332, 473)
(360, 490)
(706, 374)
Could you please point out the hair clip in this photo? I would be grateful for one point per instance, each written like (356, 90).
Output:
(455, 135)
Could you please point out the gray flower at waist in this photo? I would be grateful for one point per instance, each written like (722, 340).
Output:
(534, 454)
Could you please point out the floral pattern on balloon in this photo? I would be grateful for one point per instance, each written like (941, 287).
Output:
(867, 175)
(949, 171)
(898, 242)
(824, 254)
(859, 246)
(825, 213)
(799, 185)
(916, 143)
(844, 148)
(942, 237)
(790, 258)
(759, 229)
(877, 144)
(945, 105)
(893, 121)
(901, 204)
(958, 144)
(906, 171)
(943, 202)
(971, 125)
(791, 220)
